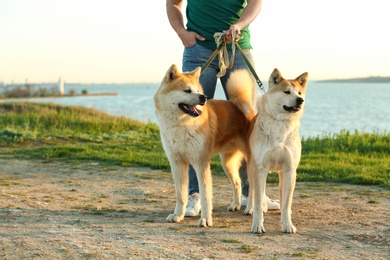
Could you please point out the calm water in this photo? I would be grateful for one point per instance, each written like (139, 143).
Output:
(330, 107)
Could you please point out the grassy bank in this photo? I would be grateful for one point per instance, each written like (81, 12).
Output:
(53, 132)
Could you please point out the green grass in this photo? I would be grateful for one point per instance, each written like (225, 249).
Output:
(55, 132)
(357, 158)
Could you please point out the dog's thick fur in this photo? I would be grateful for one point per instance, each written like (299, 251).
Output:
(193, 130)
(275, 145)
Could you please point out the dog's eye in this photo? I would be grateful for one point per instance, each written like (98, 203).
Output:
(299, 93)
(287, 92)
(187, 91)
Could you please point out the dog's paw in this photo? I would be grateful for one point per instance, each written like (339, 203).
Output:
(248, 211)
(289, 228)
(205, 223)
(174, 218)
(234, 207)
(257, 229)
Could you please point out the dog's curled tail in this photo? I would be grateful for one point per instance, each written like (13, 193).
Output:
(241, 90)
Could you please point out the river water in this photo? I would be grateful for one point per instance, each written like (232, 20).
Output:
(330, 107)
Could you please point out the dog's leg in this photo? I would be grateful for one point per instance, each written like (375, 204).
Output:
(260, 179)
(280, 186)
(249, 205)
(251, 171)
(231, 164)
(180, 177)
(288, 186)
(203, 174)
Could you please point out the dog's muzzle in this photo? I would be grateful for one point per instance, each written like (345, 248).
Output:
(296, 108)
(192, 110)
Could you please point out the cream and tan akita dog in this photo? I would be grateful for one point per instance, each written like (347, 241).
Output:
(275, 145)
(193, 129)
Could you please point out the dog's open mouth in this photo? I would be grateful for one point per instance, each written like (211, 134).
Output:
(292, 109)
(190, 110)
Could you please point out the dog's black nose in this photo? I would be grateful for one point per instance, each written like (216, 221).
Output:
(203, 98)
(300, 100)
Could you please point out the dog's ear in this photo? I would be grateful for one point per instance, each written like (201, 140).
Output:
(275, 78)
(196, 72)
(172, 73)
(303, 79)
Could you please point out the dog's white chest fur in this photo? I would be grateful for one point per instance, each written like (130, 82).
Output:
(180, 140)
(280, 142)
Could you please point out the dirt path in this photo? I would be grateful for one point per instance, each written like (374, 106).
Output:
(56, 210)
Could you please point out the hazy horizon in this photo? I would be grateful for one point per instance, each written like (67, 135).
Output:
(387, 78)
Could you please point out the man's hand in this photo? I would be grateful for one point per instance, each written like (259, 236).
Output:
(189, 38)
(229, 33)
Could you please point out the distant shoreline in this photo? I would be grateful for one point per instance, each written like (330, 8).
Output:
(358, 80)
(63, 96)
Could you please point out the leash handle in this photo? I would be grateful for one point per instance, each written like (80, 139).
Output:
(220, 40)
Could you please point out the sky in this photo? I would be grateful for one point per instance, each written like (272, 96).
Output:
(128, 41)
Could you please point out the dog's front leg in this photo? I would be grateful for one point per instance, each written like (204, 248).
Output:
(203, 174)
(251, 172)
(260, 179)
(180, 177)
(288, 186)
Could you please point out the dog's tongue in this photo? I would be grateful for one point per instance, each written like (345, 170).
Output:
(197, 111)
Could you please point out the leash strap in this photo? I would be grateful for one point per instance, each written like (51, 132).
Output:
(211, 58)
(224, 57)
(258, 81)
(223, 54)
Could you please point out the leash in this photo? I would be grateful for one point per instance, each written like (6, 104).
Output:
(211, 58)
(224, 57)
(258, 81)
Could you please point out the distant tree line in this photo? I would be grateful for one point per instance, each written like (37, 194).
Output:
(33, 90)
(360, 80)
